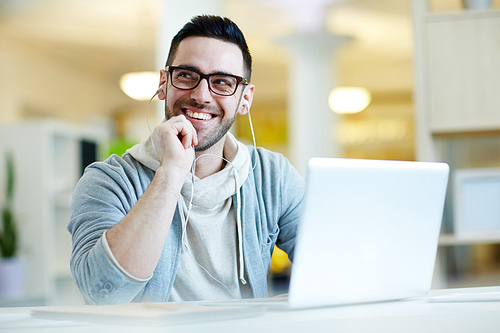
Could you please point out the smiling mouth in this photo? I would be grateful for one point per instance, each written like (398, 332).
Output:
(199, 115)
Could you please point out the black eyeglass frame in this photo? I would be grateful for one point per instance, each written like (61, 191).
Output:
(239, 79)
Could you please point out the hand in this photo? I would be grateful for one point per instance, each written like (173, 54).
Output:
(174, 141)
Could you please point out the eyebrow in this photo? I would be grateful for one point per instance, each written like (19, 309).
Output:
(195, 68)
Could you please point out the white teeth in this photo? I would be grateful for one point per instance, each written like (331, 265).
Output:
(199, 115)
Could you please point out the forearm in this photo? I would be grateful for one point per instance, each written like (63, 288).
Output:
(138, 240)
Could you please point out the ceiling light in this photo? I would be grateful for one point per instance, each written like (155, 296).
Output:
(347, 100)
(139, 85)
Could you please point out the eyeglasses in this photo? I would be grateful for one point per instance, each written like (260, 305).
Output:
(220, 84)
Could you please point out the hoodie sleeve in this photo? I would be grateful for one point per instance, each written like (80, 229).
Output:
(292, 193)
(102, 198)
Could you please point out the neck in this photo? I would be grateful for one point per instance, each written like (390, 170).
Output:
(212, 162)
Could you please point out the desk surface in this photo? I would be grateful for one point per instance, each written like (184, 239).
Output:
(415, 315)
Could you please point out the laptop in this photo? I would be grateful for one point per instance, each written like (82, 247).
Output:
(369, 231)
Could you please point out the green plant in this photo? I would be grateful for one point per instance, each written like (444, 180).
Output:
(8, 232)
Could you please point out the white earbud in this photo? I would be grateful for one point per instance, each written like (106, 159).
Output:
(245, 104)
(157, 91)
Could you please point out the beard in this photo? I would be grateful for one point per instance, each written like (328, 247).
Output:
(211, 136)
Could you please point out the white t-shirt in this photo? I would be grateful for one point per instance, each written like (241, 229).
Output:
(209, 265)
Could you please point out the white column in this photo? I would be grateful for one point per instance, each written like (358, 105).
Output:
(311, 76)
(173, 14)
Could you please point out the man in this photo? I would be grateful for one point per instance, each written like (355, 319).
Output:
(141, 232)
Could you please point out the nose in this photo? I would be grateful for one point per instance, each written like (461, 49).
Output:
(202, 94)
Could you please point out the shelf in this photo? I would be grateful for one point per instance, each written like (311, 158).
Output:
(453, 240)
(27, 301)
(62, 200)
(465, 133)
(43, 197)
(62, 271)
(468, 14)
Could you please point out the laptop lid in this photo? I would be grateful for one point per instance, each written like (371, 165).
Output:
(369, 231)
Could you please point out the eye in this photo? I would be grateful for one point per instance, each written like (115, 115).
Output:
(223, 81)
(184, 74)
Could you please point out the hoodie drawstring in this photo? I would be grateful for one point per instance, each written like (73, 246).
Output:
(239, 232)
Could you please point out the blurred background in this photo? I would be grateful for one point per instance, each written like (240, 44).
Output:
(427, 71)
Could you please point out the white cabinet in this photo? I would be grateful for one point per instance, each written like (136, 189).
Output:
(463, 72)
(49, 158)
(457, 102)
(457, 77)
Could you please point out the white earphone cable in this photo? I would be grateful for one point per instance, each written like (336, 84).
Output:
(193, 169)
(147, 109)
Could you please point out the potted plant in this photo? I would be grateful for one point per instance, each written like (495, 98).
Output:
(11, 267)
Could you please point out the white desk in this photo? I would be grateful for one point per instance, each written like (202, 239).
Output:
(415, 315)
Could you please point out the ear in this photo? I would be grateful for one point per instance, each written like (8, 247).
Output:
(162, 86)
(246, 100)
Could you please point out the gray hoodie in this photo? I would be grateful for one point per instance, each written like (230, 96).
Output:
(267, 206)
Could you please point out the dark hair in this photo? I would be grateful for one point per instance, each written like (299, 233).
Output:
(212, 26)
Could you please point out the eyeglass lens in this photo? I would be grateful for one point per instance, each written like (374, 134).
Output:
(219, 83)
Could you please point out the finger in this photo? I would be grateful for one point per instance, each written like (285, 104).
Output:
(186, 133)
(182, 132)
(183, 129)
(192, 138)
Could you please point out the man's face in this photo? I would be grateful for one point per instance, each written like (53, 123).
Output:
(211, 115)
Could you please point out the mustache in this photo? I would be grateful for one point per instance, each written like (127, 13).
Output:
(180, 104)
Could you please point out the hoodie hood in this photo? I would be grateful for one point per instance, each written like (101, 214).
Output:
(145, 153)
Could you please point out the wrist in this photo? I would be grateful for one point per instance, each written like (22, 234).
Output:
(171, 178)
